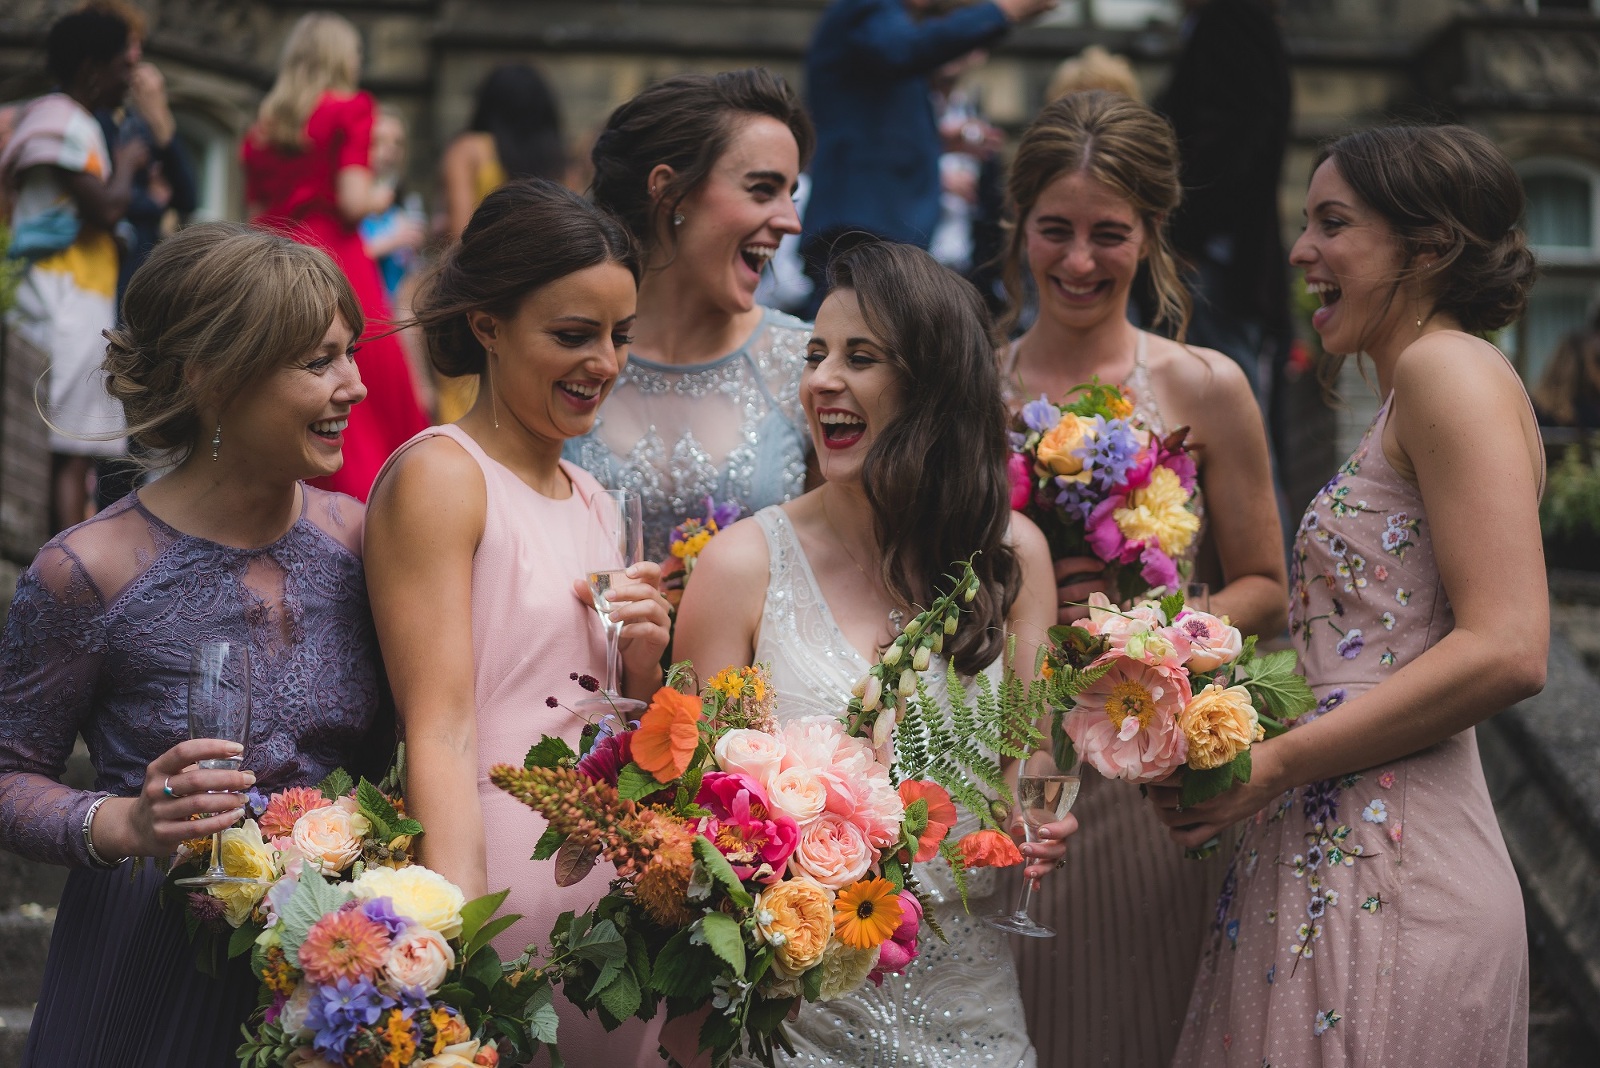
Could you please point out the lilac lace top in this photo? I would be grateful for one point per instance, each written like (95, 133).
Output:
(98, 643)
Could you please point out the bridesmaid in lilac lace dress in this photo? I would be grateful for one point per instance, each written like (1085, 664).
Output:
(234, 362)
(1371, 915)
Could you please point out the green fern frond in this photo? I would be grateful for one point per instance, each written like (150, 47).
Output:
(958, 868)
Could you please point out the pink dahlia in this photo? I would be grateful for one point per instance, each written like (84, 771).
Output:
(285, 807)
(344, 945)
(744, 827)
(1126, 724)
(605, 761)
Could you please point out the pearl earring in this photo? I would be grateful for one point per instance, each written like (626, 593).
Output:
(677, 218)
(216, 442)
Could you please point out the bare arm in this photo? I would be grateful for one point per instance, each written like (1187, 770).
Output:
(720, 616)
(102, 204)
(1452, 423)
(423, 526)
(358, 194)
(455, 177)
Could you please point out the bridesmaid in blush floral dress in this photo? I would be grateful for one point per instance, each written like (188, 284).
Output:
(1371, 915)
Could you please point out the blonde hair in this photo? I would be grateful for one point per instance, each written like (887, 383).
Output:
(323, 53)
(215, 309)
(1094, 68)
(1126, 147)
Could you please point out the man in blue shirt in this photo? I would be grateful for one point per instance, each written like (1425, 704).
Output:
(877, 163)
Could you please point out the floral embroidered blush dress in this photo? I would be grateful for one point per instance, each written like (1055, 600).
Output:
(1372, 919)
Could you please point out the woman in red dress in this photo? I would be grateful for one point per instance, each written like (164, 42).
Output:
(307, 176)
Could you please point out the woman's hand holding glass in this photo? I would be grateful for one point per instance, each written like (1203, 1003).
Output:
(1048, 848)
(646, 618)
(154, 823)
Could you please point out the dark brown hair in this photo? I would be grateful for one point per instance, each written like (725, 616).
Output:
(686, 123)
(1446, 190)
(936, 476)
(216, 308)
(525, 235)
(1123, 145)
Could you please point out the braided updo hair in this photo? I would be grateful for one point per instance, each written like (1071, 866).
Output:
(1449, 191)
(215, 309)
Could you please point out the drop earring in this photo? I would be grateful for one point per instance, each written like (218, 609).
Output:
(216, 442)
(488, 383)
(677, 218)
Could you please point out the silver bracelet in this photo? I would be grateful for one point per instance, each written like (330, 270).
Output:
(88, 837)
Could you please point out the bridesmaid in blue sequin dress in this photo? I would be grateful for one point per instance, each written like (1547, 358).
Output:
(702, 168)
(235, 361)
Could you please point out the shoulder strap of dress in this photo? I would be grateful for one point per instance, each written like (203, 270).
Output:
(1145, 405)
(447, 430)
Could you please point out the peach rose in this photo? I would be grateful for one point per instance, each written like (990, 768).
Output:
(833, 851)
(795, 918)
(330, 838)
(1212, 642)
(812, 741)
(798, 793)
(754, 753)
(1219, 724)
(419, 958)
(1056, 447)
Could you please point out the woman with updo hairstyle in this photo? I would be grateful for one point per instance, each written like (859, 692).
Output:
(903, 395)
(1371, 914)
(1093, 183)
(477, 550)
(701, 168)
(234, 367)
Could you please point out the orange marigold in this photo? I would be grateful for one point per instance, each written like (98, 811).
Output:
(989, 849)
(668, 733)
(866, 913)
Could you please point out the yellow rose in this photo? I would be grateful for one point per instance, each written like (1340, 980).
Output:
(1058, 444)
(1219, 724)
(456, 1055)
(423, 896)
(1158, 511)
(245, 855)
(795, 917)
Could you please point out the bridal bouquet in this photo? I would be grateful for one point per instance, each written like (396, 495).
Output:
(339, 829)
(1100, 484)
(753, 863)
(1161, 686)
(391, 969)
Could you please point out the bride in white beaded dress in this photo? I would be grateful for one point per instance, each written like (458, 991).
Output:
(903, 396)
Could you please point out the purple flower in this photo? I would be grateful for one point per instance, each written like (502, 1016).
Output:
(1110, 452)
(604, 762)
(381, 910)
(723, 515)
(1076, 499)
(336, 1012)
(1351, 644)
(1230, 884)
(257, 801)
(1321, 800)
(1334, 699)
(1040, 415)
(207, 909)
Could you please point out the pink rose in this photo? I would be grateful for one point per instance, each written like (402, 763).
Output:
(1126, 724)
(754, 753)
(833, 852)
(812, 741)
(1020, 472)
(897, 952)
(743, 826)
(798, 793)
(330, 838)
(860, 791)
(1212, 643)
(419, 958)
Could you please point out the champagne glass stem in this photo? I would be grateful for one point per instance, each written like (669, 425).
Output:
(613, 657)
(216, 855)
(1025, 897)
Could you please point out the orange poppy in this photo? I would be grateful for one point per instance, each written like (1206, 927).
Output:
(668, 733)
(941, 815)
(866, 913)
(989, 849)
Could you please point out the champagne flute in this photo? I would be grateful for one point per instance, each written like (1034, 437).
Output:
(1045, 794)
(614, 543)
(219, 707)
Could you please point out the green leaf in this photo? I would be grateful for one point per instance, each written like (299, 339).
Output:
(682, 969)
(543, 1019)
(242, 939)
(338, 784)
(635, 784)
(895, 872)
(1274, 681)
(1061, 747)
(721, 872)
(1201, 786)
(405, 826)
(455, 994)
(621, 998)
(313, 899)
(378, 810)
(1171, 605)
(603, 943)
(722, 934)
(549, 842)
(475, 913)
(811, 984)
(488, 932)
(484, 969)
(550, 752)
(1242, 766)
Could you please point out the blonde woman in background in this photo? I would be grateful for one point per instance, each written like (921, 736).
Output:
(1094, 68)
(308, 175)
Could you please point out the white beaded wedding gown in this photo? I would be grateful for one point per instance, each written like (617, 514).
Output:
(958, 1004)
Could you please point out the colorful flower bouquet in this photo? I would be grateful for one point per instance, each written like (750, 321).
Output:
(391, 969)
(1161, 686)
(689, 540)
(1100, 484)
(755, 863)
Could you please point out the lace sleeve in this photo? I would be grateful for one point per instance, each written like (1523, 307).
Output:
(49, 664)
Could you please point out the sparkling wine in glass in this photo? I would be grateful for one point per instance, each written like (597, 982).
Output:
(1045, 794)
(219, 707)
(614, 543)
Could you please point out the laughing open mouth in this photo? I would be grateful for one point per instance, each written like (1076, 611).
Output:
(756, 257)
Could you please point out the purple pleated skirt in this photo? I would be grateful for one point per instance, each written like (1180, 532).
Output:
(121, 989)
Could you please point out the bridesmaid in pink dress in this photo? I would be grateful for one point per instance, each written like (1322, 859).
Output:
(474, 547)
(1371, 916)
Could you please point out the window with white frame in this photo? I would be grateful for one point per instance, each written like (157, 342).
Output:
(1563, 226)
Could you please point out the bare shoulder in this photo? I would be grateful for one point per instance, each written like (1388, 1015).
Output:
(735, 559)
(435, 481)
(463, 152)
(1026, 539)
(1204, 374)
(1450, 369)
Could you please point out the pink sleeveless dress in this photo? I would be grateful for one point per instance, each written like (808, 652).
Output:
(1373, 919)
(529, 632)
